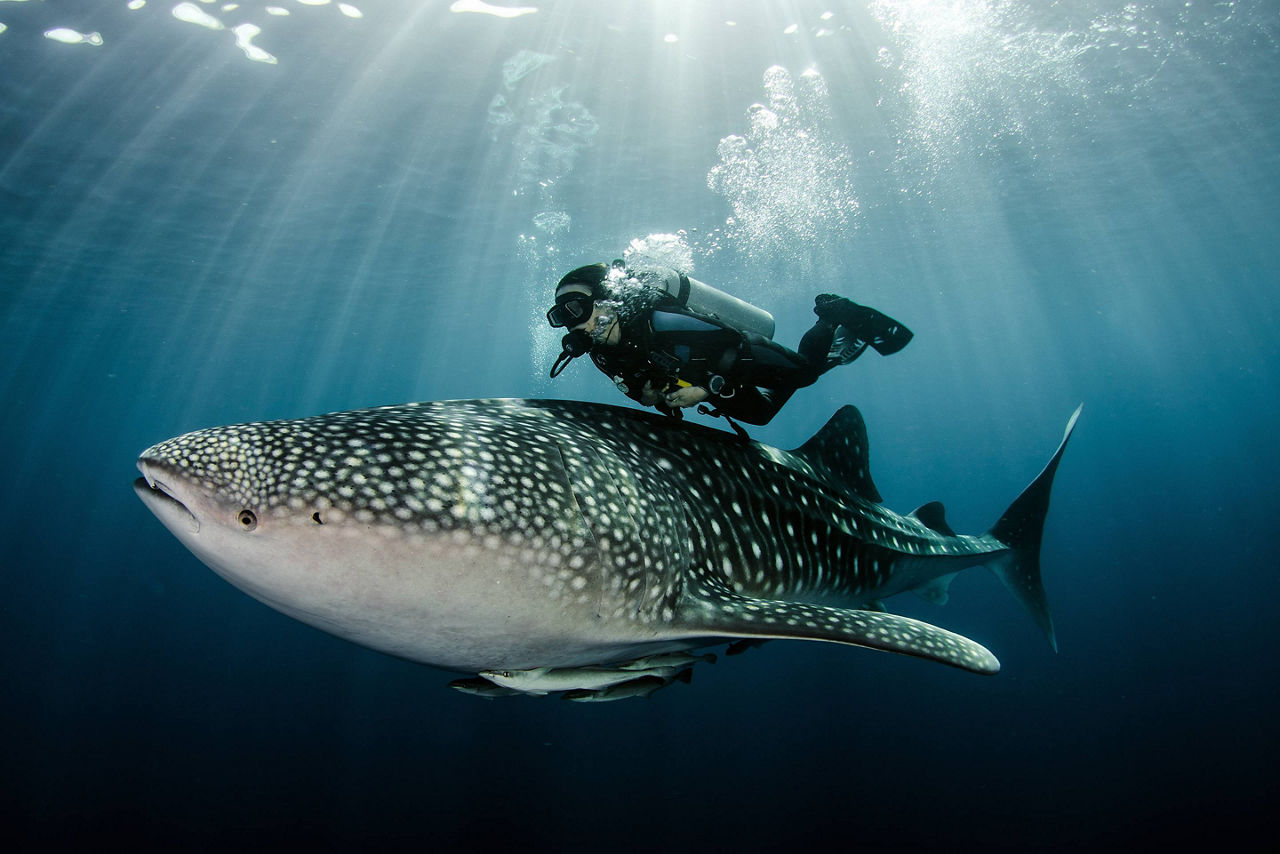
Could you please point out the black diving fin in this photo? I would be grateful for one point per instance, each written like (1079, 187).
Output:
(885, 335)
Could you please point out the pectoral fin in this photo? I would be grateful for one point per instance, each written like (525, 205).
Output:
(719, 612)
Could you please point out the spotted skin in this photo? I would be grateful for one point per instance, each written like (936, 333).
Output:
(485, 535)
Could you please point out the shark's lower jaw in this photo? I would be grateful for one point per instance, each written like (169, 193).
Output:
(160, 498)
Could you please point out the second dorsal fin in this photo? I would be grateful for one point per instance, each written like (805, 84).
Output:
(934, 517)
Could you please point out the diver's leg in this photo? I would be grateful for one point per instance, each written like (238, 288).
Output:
(766, 374)
(767, 364)
(816, 343)
(828, 344)
(754, 405)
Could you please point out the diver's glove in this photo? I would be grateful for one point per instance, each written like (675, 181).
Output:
(885, 335)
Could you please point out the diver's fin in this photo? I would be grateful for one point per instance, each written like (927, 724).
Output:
(885, 335)
(715, 611)
(845, 348)
(1021, 528)
(839, 450)
(888, 336)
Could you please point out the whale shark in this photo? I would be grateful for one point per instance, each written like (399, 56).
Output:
(549, 546)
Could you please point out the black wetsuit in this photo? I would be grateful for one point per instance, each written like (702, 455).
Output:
(749, 376)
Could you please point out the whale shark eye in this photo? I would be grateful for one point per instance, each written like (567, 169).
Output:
(248, 521)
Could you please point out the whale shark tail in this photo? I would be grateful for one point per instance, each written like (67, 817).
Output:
(1021, 529)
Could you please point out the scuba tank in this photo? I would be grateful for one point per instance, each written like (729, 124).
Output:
(698, 298)
(702, 299)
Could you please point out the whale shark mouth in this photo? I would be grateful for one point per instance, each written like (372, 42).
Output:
(160, 497)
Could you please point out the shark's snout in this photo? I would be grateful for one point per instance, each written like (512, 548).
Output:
(163, 500)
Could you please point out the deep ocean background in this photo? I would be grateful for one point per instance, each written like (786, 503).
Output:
(1072, 203)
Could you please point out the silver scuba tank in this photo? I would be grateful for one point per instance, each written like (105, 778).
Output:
(700, 298)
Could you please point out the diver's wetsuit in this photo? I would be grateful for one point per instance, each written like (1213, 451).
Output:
(750, 377)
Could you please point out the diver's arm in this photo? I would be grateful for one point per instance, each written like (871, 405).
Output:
(641, 387)
(686, 396)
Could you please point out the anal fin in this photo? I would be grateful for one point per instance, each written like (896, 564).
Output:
(936, 591)
(720, 612)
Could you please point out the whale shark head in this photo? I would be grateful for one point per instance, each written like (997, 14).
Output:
(413, 529)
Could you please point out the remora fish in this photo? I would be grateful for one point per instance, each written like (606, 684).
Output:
(511, 535)
(546, 680)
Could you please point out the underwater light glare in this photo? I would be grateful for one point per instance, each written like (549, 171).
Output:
(192, 14)
(244, 41)
(488, 9)
(68, 36)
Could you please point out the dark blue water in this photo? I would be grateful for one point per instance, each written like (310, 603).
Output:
(1072, 205)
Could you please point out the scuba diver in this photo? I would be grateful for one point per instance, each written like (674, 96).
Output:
(670, 342)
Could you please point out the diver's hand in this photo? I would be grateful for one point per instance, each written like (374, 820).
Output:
(687, 396)
(649, 395)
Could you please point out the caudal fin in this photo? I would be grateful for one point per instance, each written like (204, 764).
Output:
(1021, 528)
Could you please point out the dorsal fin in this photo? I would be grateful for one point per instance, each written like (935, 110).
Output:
(839, 450)
(934, 517)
